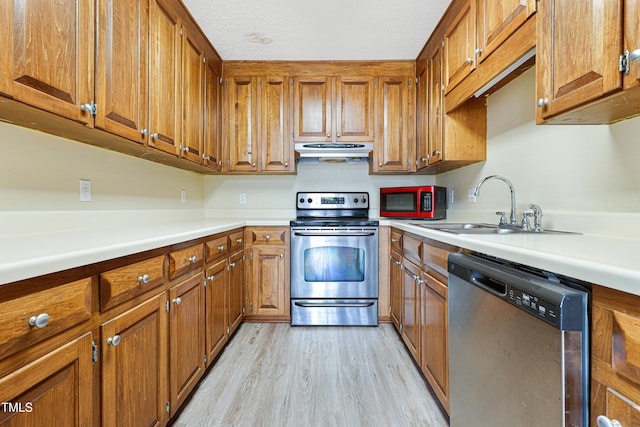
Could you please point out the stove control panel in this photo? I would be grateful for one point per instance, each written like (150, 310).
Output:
(332, 201)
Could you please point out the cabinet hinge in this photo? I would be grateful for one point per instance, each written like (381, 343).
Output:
(91, 108)
(408, 82)
(623, 65)
(180, 32)
(228, 330)
(442, 43)
(204, 281)
(168, 407)
(205, 359)
(250, 256)
(243, 310)
(243, 257)
(375, 82)
(94, 352)
(204, 59)
(250, 306)
(260, 83)
(220, 80)
(166, 306)
(417, 80)
(400, 326)
(374, 134)
(291, 82)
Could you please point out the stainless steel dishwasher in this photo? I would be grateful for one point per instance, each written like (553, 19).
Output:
(518, 345)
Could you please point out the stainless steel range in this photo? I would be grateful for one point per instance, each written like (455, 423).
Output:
(334, 261)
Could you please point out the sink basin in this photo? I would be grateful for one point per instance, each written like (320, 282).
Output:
(481, 228)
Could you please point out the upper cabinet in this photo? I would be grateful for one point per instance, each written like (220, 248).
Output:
(394, 145)
(460, 46)
(276, 154)
(497, 21)
(48, 56)
(212, 155)
(328, 109)
(583, 73)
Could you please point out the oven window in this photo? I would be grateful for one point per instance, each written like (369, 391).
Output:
(399, 202)
(334, 264)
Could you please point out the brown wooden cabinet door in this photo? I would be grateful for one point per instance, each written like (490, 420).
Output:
(193, 98)
(276, 149)
(497, 21)
(312, 109)
(135, 390)
(216, 312)
(392, 150)
(56, 389)
(268, 281)
(411, 308)
(165, 94)
(186, 331)
(354, 109)
(434, 327)
(422, 117)
(48, 55)
(460, 45)
(435, 108)
(236, 291)
(121, 74)
(632, 41)
(395, 289)
(577, 53)
(212, 117)
(242, 138)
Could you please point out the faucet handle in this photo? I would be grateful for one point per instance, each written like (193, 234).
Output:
(525, 220)
(503, 219)
(537, 217)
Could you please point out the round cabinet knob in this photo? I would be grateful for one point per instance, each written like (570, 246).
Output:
(143, 279)
(543, 102)
(186, 150)
(478, 51)
(144, 131)
(114, 341)
(380, 164)
(221, 248)
(177, 301)
(154, 136)
(253, 165)
(338, 135)
(606, 422)
(423, 159)
(469, 60)
(635, 56)
(39, 321)
(267, 238)
(232, 264)
(436, 153)
(238, 240)
(286, 165)
(193, 259)
(328, 135)
(281, 255)
(211, 278)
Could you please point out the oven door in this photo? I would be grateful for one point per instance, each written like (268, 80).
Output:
(334, 263)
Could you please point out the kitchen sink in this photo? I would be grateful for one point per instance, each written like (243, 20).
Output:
(482, 228)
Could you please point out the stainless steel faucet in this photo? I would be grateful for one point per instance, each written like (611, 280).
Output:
(512, 216)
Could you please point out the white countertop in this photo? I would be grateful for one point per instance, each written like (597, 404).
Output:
(607, 261)
(26, 255)
(613, 262)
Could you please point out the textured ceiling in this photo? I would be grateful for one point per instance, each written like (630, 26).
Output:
(317, 29)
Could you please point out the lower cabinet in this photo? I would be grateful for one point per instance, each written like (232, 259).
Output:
(134, 345)
(236, 291)
(216, 309)
(419, 293)
(56, 389)
(615, 369)
(187, 337)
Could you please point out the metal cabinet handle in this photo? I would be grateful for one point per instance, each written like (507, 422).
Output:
(144, 131)
(606, 422)
(193, 259)
(114, 341)
(177, 301)
(143, 279)
(543, 102)
(39, 321)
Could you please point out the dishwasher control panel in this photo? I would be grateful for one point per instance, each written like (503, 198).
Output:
(534, 305)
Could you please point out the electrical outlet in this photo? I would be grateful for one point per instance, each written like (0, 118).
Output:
(85, 190)
(243, 199)
(183, 196)
(471, 195)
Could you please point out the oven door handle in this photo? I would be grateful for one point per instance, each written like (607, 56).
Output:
(334, 304)
(335, 233)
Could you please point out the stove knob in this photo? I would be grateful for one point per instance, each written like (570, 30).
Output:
(301, 200)
(309, 200)
(355, 200)
(364, 200)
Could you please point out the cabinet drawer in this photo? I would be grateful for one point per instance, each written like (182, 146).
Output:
(185, 260)
(236, 241)
(216, 248)
(412, 249)
(625, 357)
(122, 284)
(51, 311)
(267, 236)
(396, 241)
(436, 257)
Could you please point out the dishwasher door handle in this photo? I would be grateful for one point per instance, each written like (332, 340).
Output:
(489, 284)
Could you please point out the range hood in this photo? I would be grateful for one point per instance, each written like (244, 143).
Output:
(320, 152)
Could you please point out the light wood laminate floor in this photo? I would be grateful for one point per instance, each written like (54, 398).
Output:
(272, 374)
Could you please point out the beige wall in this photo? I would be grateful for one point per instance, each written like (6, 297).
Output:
(40, 172)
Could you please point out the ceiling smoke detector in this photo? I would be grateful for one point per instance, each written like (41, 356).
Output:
(255, 37)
